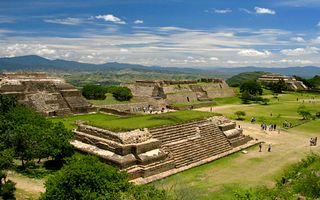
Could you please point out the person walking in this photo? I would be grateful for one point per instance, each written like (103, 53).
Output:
(269, 147)
(260, 147)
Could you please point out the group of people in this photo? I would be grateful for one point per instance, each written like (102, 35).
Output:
(269, 147)
(151, 110)
(313, 141)
(271, 127)
(287, 124)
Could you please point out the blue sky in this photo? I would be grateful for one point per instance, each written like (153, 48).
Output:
(179, 33)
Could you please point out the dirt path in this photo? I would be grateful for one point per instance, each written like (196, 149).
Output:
(26, 185)
(219, 108)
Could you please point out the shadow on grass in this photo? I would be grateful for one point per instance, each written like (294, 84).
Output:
(35, 170)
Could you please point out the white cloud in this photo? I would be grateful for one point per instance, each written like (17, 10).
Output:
(254, 53)
(300, 51)
(66, 21)
(124, 50)
(149, 46)
(318, 24)
(111, 18)
(213, 58)
(260, 10)
(138, 21)
(22, 49)
(297, 39)
(222, 11)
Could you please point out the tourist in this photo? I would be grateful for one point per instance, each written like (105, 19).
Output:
(269, 147)
(315, 141)
(260, 147)
(210, 109)
(274, 126)
(311, 141)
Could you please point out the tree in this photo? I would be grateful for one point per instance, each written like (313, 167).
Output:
(278, 87)
(85, 177)
(31, 135)
(240, 115)
(122, 94)
(304, 112)
(252, 87)
(95, 92)
(7, 187)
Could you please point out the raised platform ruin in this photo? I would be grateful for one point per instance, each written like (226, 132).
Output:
(290, 81)
(181, 91)
(49, 96)
(154, 153)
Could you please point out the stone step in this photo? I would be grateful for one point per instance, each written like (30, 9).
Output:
(172, 131)
(178, 132)
(184, 160)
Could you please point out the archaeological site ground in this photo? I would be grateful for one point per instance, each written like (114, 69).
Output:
(200, 143)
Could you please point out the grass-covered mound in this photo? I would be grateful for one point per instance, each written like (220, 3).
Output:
(117, 124)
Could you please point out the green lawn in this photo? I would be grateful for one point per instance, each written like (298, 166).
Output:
(110, 100)
(277, 111)
(116, 123)
(227, 101)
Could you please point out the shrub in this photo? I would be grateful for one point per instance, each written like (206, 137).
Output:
(240, 115)
(85, 177)
(122, 94)
(95, 92)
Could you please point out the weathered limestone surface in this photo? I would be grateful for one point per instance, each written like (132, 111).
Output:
(148, 152)
(181, 91)
(50, 96)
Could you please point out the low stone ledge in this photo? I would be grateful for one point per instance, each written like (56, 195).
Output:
(120, 161)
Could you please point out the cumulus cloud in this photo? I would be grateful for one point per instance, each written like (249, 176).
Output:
(138, 21)
(300, 51)
(254, 53)
(262, 11)
(213, 58)
(222, 11)
(110, 18)
(297, 39)
(22, 49)
(66, 21)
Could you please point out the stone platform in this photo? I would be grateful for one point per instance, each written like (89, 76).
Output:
(158, 151)
(49, 96)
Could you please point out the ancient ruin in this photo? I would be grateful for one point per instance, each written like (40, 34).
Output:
(181, 91)
(291, 82)
(49, 96)
(154, 153)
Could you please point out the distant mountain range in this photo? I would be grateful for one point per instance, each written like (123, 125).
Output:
(37, 63)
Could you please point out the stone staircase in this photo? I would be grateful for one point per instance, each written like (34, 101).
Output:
(208, 143)
(191, 142)
(175, 133)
